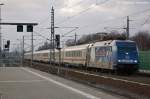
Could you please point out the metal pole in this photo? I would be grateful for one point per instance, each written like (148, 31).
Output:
(52, 54)
(59, 60)
(32, 48)
(0, 32)
(128, 27)
(75, 38)
(59, 56)
(50, 58)
(22, 50)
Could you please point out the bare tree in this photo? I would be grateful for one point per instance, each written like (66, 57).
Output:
(101, 36)
(45, 46)
(142, 39)
(70, 42)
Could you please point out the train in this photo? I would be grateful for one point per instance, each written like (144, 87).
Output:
(113, 55)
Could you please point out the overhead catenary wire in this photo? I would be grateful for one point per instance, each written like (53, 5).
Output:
(103, 21)
(69, 32)
(78, 3)
(41, 35)
(83, 11)
(65, 20)
(146, 21)
(69, 18)
(117, 18)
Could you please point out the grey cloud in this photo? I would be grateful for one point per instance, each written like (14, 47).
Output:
(107, 14)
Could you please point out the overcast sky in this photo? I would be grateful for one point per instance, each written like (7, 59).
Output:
(90, 16)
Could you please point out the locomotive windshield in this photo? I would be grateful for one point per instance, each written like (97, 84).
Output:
(127, 52)
(126, 48)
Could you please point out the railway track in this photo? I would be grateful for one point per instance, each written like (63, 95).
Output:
(138, 77)
(134, 86)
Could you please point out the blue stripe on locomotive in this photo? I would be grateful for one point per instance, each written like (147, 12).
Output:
(126, 53)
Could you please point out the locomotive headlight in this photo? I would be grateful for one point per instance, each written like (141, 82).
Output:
(135, 61)
(119, 60)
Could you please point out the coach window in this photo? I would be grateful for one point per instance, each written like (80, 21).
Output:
(72, 53)
(80, 54)
(68, 53)
(75, 53)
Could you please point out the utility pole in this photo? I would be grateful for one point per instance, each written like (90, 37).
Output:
(1, 31)
(52, 51)
(127, 29)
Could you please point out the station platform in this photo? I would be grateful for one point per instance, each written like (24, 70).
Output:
(28, 83)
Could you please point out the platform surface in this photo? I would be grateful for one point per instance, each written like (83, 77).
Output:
(28, 83)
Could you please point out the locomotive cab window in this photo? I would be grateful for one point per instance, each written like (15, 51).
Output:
(126, 49)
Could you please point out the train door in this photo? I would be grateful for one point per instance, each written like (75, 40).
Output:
(88, 55)
(91, 56)
(109, 57)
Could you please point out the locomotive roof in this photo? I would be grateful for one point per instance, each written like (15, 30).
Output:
(110, 42)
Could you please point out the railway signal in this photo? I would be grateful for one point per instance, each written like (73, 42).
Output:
(7, 45)
(29, 28)
(19, 28)
(57, 38)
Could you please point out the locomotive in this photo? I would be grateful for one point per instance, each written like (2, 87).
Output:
(114, 55)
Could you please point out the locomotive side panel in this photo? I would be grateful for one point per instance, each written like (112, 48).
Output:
(101, 57)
